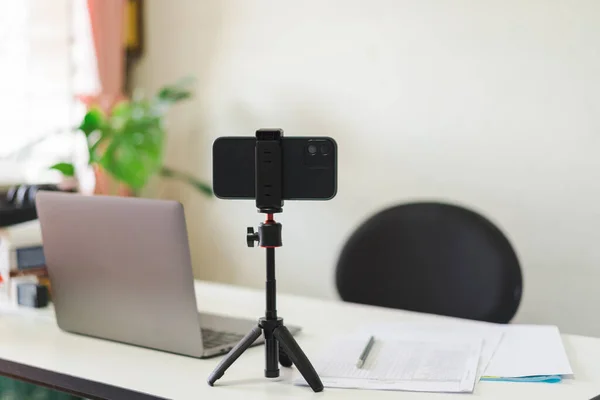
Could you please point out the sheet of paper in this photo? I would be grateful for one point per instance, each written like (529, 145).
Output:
(401, 364)
(450, 329)
(529, 350)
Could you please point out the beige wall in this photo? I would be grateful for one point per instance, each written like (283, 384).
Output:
(494, 104)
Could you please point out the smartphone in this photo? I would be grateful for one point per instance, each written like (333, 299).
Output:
(309, 168)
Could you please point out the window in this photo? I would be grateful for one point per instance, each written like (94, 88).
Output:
(46, 59)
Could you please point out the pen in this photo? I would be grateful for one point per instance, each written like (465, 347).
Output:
(365, 352)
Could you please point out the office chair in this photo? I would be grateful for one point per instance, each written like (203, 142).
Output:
(432, 258)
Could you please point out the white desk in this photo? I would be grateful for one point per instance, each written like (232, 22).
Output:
(34, 339)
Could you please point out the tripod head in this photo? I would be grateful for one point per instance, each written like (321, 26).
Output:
(268, 235)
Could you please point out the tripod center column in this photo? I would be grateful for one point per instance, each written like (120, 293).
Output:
(270, 238)
(271, 286)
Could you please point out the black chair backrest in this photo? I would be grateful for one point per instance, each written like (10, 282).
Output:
(433, 258)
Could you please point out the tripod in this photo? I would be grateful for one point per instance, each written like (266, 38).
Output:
(280, 345)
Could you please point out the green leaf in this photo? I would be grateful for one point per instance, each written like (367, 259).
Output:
(176, 92)
(92, 121)
(121, 109)
(67, 169)
(119, 116)
(122, 162)
(173, 95)
(93, 147)
(135, 153)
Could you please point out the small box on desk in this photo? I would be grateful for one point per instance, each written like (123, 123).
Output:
(21, 248)
(32, 295)
(21, 259)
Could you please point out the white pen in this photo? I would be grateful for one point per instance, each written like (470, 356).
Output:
(365, 353)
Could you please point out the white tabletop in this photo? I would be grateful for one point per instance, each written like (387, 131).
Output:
(34, 339)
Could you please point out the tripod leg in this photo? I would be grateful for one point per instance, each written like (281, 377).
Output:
(234, 354)
(271, 356)
(295, 353)
(284, 360)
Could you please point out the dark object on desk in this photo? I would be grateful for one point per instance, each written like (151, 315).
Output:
(309, 168)
(12, 216)
(432, 258)
(17, 205)
(32, 295)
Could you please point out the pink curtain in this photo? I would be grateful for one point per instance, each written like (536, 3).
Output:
(106, 17)
(107, 22)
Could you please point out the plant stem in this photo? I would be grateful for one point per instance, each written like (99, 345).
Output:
(200, 186)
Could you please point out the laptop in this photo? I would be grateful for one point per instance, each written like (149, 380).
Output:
(120, 270)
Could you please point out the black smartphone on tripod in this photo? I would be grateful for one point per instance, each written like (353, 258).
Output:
(271, 168)
(309, 168)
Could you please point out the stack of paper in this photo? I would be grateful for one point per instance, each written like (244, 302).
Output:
(448, 356)
(407, 361)
(449, 329)
(529, 353)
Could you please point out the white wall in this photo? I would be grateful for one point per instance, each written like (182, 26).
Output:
(492, 104)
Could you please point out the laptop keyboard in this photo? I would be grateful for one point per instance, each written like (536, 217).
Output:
(211, 338)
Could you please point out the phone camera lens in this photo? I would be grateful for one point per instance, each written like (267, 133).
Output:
(325, 149)
(312, 149)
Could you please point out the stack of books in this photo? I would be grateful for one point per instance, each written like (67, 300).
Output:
(21, 259)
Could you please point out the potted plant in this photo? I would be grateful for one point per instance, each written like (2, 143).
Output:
(128, 143)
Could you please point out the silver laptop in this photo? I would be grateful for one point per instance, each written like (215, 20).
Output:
(120, 269)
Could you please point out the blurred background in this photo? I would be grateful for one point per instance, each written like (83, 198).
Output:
(488, 104)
